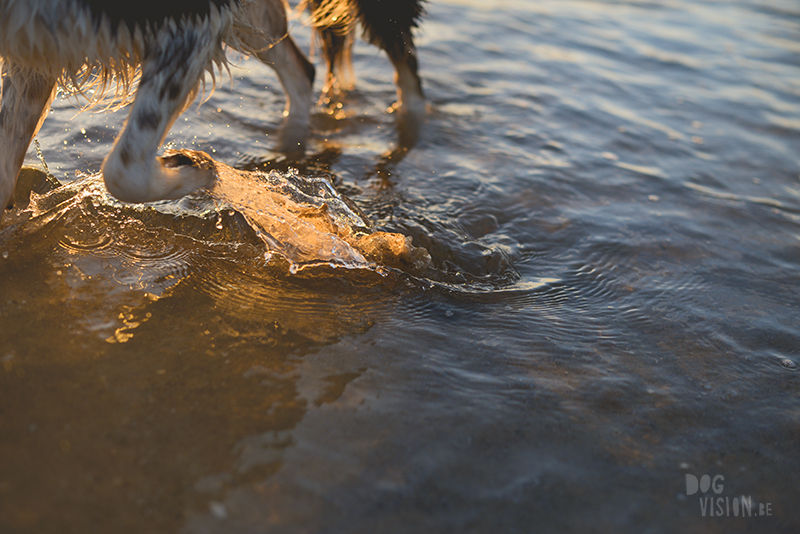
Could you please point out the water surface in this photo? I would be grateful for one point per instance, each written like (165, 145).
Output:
(610, 194)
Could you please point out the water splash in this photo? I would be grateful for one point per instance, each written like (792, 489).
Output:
(301, 221)
(307, 221)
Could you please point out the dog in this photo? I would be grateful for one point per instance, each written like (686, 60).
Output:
(387, 25)
(163, 49)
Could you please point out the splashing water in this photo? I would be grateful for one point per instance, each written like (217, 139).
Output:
(301, 220)
(306, 221)
(609, 193)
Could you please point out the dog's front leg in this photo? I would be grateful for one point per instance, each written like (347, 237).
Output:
(297, 76)
(273, 46)
(170, 77)
(26, 97)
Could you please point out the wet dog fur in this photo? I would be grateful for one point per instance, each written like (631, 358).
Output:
(163, 50)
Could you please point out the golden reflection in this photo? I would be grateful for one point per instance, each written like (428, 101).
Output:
(155, 396)
(199, 393)
(130, 321)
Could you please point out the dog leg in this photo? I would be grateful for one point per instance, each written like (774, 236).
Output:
(388, 25)
(297, 77)
(275, 47)
(337, 47)
(333, 25)
(410, 105)
(26, 97)
(171, 71)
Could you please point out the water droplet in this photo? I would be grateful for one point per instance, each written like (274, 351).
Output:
(5, 254)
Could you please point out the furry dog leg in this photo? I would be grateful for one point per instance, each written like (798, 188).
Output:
(410, 105)
(171, 71)
(337, 48)
(390, 29)
(387, 25)
(26, 97)
(294, 70)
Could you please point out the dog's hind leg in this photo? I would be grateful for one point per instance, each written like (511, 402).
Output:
(387, 25)
(26, 97)
(410, 105)
(275, 47)
(337, 47)
(171, 72)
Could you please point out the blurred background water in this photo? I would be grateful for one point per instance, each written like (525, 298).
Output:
(610, 192)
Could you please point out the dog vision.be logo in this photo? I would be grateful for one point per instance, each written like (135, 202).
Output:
(714, 504)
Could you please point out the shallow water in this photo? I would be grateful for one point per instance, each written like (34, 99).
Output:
(610, 194)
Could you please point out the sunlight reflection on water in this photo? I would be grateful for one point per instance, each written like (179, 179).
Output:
(609, 194)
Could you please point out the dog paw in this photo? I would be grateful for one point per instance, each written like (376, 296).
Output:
(172, 176)
(188, 171)
(173, 159)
